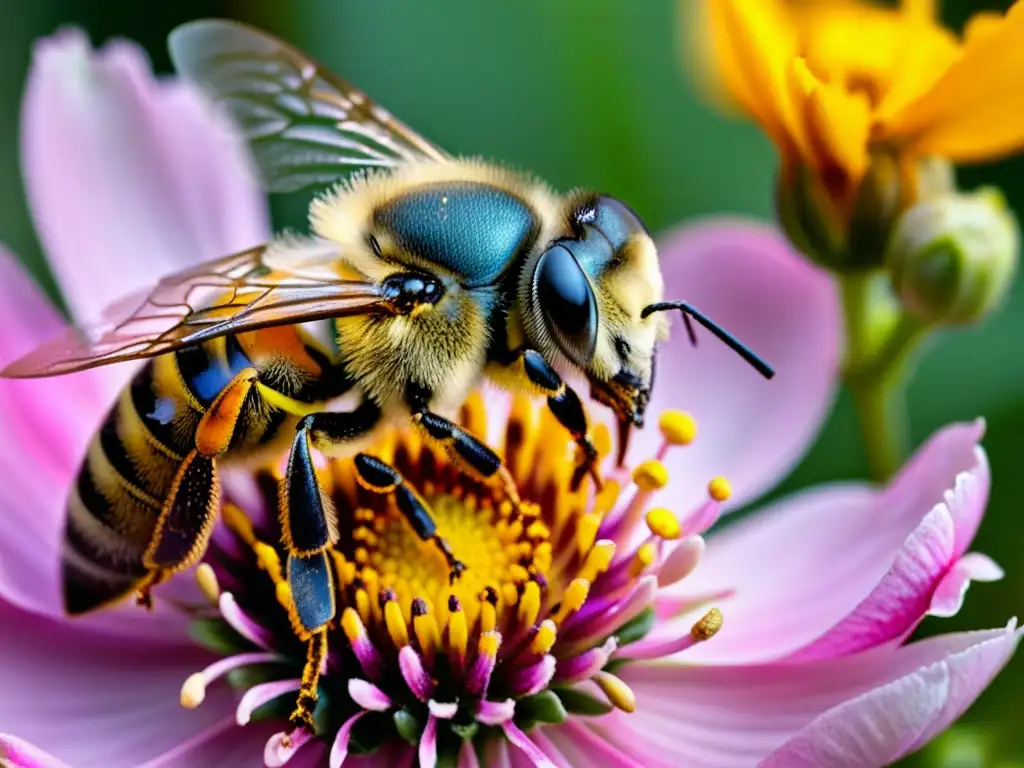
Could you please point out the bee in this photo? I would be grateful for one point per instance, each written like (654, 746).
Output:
(431, 272)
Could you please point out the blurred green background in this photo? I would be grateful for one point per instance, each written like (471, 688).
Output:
(591, 92)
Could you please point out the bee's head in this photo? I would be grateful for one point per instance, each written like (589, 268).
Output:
(587, 294)
(596, 302)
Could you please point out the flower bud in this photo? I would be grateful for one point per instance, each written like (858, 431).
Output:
(952, 257)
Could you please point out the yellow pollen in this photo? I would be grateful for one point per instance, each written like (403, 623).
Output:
(544, 640)
(677, 427)
(396, 624)
(708, 626)
(268, 559)
(207, 581)
(720, 489)
(488, 616)
(598, 560)
(529, 604)
(573, 599)
(488, 644)
(193, 691)
(643, 558)
(351, 625)
(619, 694)
(663, 523)
(586, 531)
(427, 634)
(458, 633)
(651, 475)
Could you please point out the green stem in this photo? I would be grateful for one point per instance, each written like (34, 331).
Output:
(878, 340)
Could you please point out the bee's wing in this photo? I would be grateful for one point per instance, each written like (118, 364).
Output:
(231, 295)
(306, 125)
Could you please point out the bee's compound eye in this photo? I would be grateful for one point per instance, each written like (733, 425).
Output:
(567, 304)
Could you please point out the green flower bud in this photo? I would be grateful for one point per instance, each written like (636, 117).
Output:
(952, 257)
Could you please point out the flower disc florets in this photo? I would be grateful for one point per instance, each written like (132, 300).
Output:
(554, 591)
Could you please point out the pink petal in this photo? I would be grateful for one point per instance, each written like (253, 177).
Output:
(467, 756)
(748, 279)
(17, 753)
(339, 750)
(532, 752)
(428, 744)
(735, 716)
(150, 181)
(223, 743)
(895, 719)
(98, 700)
(840, 568)
(582, 746)
(949, 594)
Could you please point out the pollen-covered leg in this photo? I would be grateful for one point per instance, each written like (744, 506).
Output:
(376, 476)
(185, 523)
(565, 405)
(312, 589)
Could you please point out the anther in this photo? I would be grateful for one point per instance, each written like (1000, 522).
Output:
(650, 476)
(586, 531)
(708, 626)
(573, 599)
(206, 578)
(598, 560)
(663, 523)
(193, 691)
(458, 632)
(395, 623)
(529, 604)
(619, 694)
(645, 555)
(720, 489)
(545, 638)
(677, 427)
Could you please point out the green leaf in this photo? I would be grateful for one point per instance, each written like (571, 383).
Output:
(543, 707)
(636, 628)
(580, 703)
(409, 726)
(218, 636)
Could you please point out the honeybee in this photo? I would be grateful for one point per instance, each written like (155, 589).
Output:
(431, 271)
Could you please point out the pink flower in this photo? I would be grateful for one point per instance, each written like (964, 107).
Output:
(817, 592)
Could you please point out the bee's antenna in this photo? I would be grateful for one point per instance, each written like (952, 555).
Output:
(735, 344)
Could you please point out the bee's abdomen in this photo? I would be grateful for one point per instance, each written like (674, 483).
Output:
(116, 499)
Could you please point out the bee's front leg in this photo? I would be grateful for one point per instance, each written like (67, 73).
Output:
(566, 406)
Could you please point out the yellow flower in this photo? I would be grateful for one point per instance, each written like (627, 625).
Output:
(837, 83)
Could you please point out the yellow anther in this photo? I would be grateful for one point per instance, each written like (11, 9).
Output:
(488, 644)
(488, 617)
(573, 599)
(268, 560)
(236, 520)
(193, 691)
(708, 626)
(619, 694)
(651, 475)
(509, 593)
(645, 555)
(586, 531)
(518, 573)
(720, 489)
(537, 530)
(396, 624)
(458, 633)
(529, 604)
(677, 427)
(363, 605)
(542, 556)
(598, 560)
(606, 498)
(427, 634)
(663, 523)
(544, 640)
(352, 625)
(601, 438)
(207, 581)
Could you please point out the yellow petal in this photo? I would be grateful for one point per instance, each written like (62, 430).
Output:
(975, 111)
(747, 47)
(921, 56)
(922, 9)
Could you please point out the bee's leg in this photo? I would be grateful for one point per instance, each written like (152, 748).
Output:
(309, 528)
(376, 476)
(565, 404)
(469, 452)
(189, 512)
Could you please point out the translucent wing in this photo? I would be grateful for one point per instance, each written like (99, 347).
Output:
(234, 294)
(306, 125)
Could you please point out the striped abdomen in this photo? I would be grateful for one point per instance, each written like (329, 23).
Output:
(128, 472)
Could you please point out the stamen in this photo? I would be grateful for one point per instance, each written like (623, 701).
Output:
(495, 712)
(598, 560)
(584, 634)
(414, 674)
(282, 747)
(479, 676)
(206, 578)
(619, 694)
(242, 624)
(706, 515)
(395, 621)
(645, 555)
(587, 664)
(573, 599)
(368, 696)
(458, 633)
(663, 523)
(339, 750)
(720, 489)
(364, 649)
(677, 428)
(527, 681)
(193, 690)
(529, 604)
(545, 638)
(425, 629)
(260, 694)
(586, 532)
(650, 476)
(488, 610)
(706, 628)
(681, 561)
